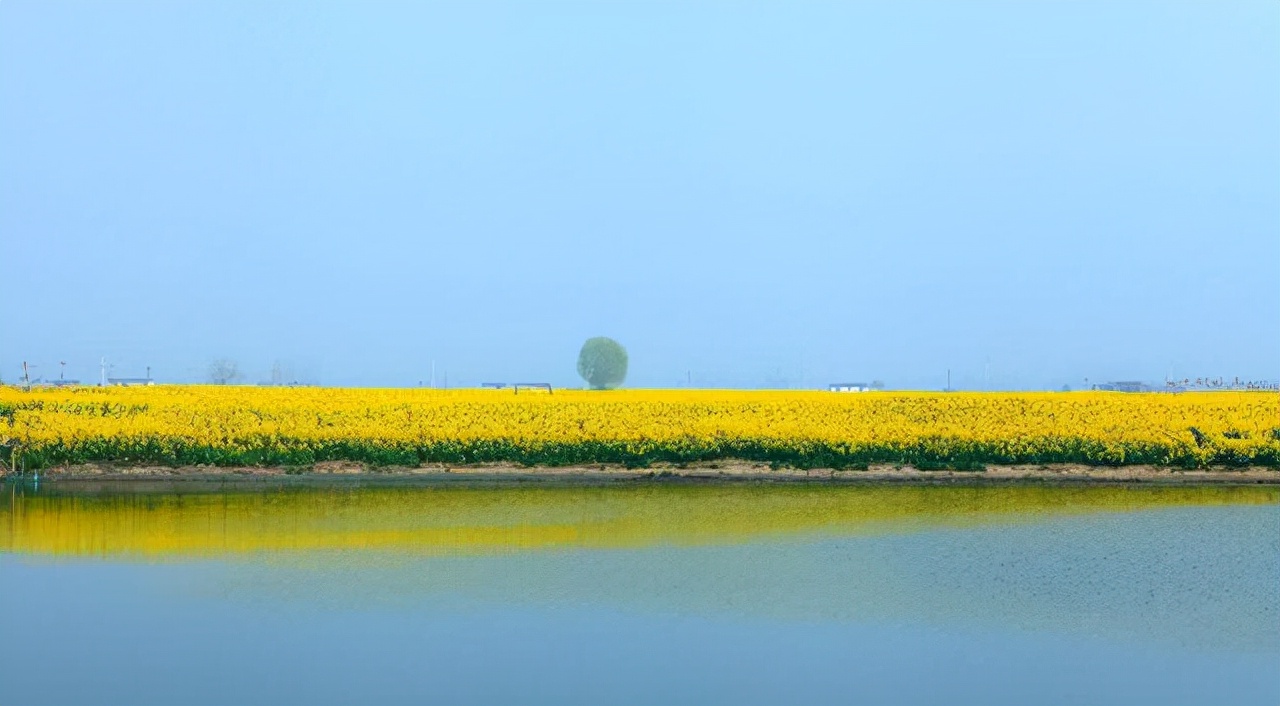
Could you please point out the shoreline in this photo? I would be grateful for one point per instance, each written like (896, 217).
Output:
(722, 472)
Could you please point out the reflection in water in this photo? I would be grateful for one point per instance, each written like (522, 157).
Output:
(443, 520)
(742, 593)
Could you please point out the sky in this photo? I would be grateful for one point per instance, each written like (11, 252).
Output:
(743, 194)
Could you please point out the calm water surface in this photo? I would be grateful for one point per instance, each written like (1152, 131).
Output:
(639, 594)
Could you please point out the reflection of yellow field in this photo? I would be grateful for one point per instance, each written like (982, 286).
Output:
(468, 521)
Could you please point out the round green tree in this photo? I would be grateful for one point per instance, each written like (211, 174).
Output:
(602, 363)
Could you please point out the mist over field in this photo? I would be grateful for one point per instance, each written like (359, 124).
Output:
(1026, 195)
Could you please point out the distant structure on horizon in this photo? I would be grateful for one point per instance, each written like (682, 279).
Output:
(1211, 383)
(855, 386)
(515, 386)
(1186, 385)
(1123, 386)
(130, 382)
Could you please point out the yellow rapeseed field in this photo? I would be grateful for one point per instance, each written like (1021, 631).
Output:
(230, 425)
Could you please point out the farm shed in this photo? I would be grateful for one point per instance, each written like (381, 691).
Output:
(848, 387)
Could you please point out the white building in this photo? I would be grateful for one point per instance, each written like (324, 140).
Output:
(849, 387)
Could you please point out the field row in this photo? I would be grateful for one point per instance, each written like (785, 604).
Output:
(236, 426)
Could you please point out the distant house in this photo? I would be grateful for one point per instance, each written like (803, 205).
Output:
(1123, 386)
(128, 382)
(849, 387)
(515, 386)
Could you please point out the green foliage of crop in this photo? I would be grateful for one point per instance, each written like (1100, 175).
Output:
(933, 454)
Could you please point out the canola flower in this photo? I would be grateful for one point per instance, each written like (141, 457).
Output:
(227, 425)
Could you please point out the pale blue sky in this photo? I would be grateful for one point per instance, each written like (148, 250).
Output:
(756, 193)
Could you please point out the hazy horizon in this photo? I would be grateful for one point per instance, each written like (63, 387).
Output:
(744, 196)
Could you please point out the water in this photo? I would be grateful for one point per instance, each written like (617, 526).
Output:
(350, 593)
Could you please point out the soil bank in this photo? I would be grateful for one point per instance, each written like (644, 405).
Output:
(726, 471)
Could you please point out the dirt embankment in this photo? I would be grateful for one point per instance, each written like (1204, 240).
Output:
(708, 472)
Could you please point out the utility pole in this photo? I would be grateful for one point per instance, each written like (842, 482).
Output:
(103, 381)
(62, 374)
(948, 379)
(26, 375)
(433, 375)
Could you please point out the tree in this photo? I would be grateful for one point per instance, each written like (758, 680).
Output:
(223, 371)
(602, 363)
